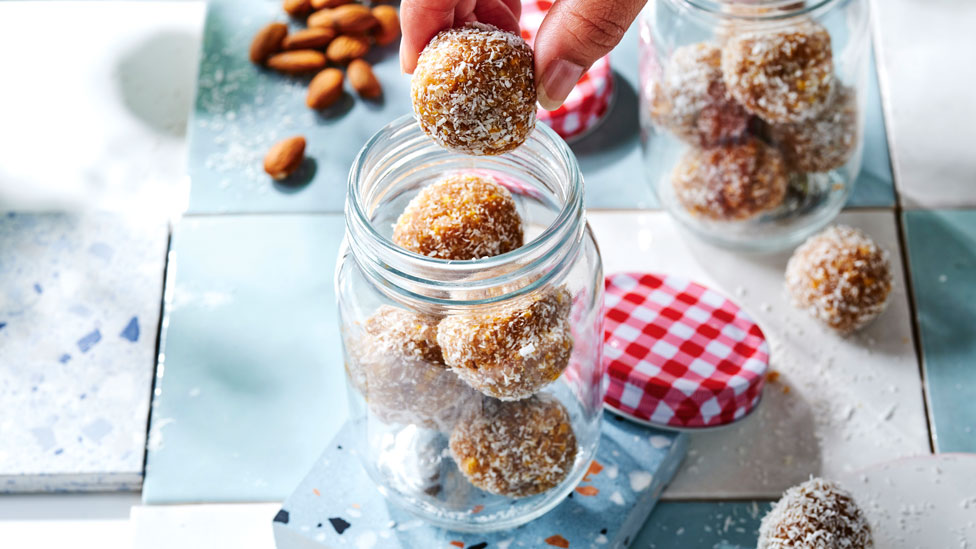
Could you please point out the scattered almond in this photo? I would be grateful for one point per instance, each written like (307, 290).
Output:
(319, 4)
(267, 42)
(297, 8)
(308, 39)
(345, 48)
(387, 29)
(363, 80)
(353, 18)
(325, 89)
(285, 157)
(323, 18)
(297, 61)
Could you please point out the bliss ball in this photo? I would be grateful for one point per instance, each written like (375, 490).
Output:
(815, 515)
(692, 102)
(731, 182)
(824, 142)
(474, 90)
(515, 449)
(841, 277)
(462, 216)
(397, 366)
(783, 75)
(512, 350)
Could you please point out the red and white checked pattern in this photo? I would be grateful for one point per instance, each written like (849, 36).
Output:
(678, 354)
(590, 99)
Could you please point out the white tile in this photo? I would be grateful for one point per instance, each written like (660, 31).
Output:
(52, 521)
(98, 115)
(834, 416)
(927, 72)
(241, 526)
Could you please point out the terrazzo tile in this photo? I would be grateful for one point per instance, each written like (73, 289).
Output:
(250, 381)
(839, 403)
(942, 257)
(79, 311)
(702, 525)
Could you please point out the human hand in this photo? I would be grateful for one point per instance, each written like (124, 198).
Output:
(573, 35)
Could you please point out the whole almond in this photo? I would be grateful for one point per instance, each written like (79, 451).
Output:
(319, 4)
(267, 42)
(363, 80)
(297, 61)
(285, 157)
(324, 18)
(325, 89)
(297, 8)
(308, 39)
(353, 18)
(387, 29)
(345, 48)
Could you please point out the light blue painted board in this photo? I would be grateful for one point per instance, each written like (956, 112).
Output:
(942, 259)
(250, 383)
(337, 505)
(703, 525)
(80, 300)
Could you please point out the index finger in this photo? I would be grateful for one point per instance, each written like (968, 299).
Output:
(420, 21)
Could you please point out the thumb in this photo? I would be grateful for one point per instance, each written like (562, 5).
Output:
(573, 35)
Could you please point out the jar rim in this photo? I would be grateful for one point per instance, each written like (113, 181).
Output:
(778, 9)
(540, 248)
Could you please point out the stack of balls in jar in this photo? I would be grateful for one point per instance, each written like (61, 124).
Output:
(475, 375)
(757, 107)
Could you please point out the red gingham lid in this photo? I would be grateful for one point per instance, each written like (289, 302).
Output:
(590, 99)
(679, 355)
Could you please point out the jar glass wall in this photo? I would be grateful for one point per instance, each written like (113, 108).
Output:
(752, 114)
(475, 385)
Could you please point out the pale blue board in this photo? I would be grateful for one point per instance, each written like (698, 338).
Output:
(703, 525)
(80, 298)
(942, 259)
(250, 383)
(337, 505)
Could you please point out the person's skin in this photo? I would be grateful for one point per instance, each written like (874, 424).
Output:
(574, 34)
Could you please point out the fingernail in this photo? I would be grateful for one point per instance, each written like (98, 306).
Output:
(557, 82)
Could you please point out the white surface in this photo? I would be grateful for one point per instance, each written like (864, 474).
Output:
(850, 403)
(237, 526)
(927, 71)
(923, 502)
(59, 521)
(94, 114)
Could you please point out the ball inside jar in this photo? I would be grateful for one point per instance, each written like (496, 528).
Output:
(474, 90)
(824, 142)
(815, 514)
(515, 449)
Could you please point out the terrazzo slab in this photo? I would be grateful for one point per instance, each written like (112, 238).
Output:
(927, 83)
(839, 403)
(702, 525)
(942, 257)
(104, 123)
(79, 312)
(337, 505)
(249, 385)
(240, 111)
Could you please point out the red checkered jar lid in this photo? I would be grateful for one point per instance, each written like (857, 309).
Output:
(679, 355)
(589, 101)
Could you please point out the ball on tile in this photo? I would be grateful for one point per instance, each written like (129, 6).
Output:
(841, 277)
(815, 515)
(474, 90)
(515, 449)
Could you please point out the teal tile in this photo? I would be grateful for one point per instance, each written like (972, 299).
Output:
(249, 386)
(702, 525)
(942, 258)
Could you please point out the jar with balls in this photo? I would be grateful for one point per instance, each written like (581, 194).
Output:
(470, 292)
(752, 114)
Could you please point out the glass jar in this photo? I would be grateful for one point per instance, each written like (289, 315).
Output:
(752, 114)
(475, 385)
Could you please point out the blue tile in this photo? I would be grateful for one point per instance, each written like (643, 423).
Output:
(942, 259)
(250, 383)
(703, 525)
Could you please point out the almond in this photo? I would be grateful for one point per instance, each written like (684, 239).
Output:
(297, 61)
(387, 29)
(346, 48)
(363, 80)
(297, 8)
(308, 39)
(353, 18)
(267, 42)
(325, 89)
(285, 157)
(323, 18)
(319, 4)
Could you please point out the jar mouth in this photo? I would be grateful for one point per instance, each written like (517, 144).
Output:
(754, 10)
(441, 281)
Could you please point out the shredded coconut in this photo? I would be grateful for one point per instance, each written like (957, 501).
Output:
(815, 515)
